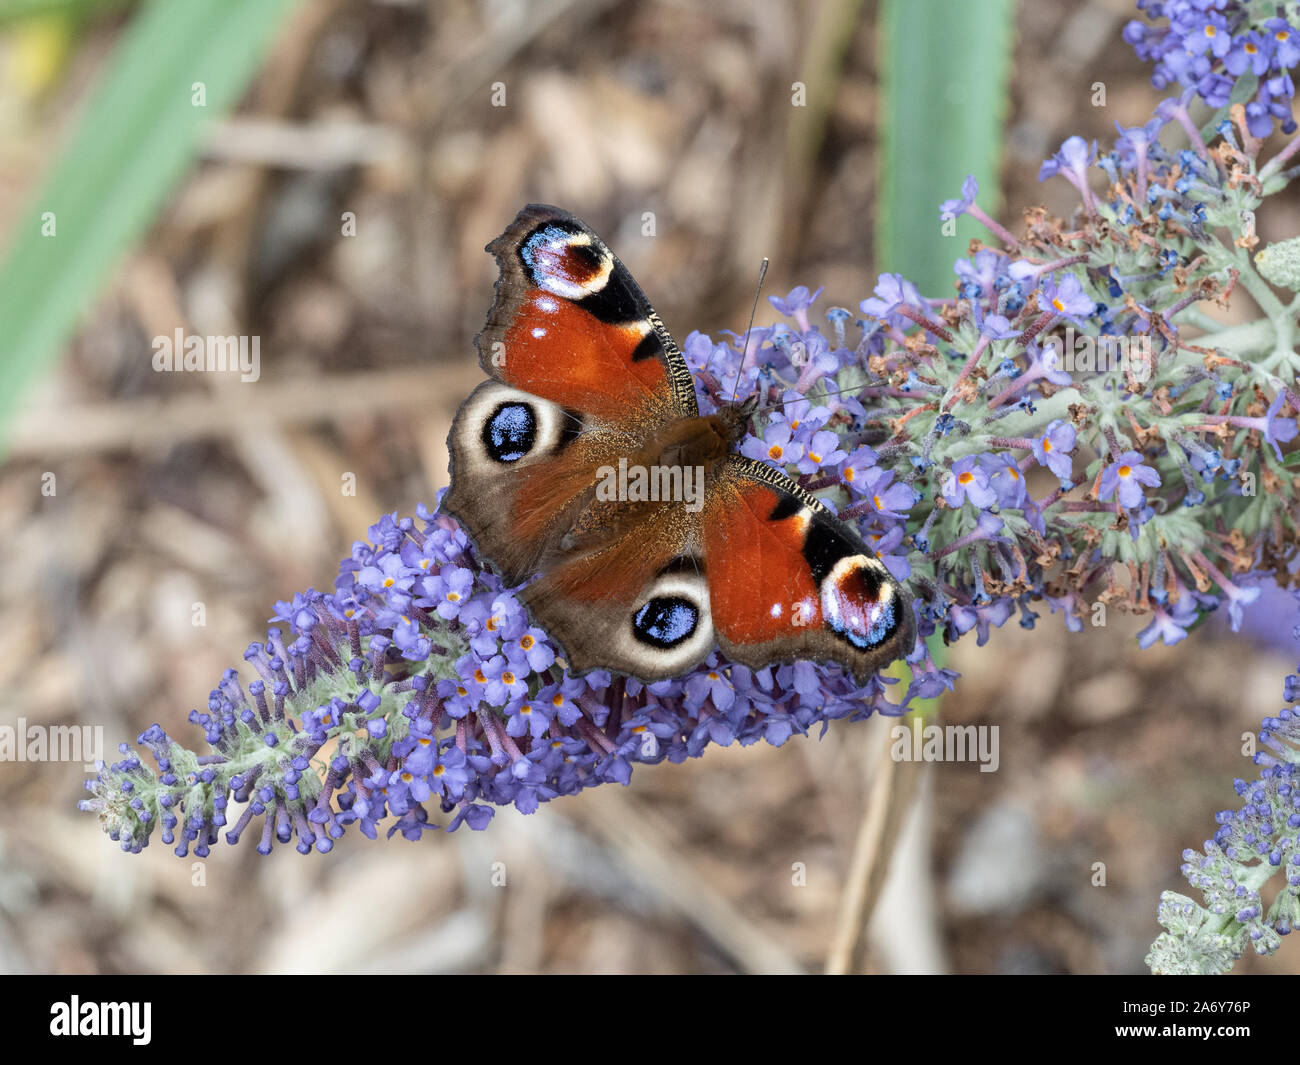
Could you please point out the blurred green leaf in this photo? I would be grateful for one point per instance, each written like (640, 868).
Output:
(925, 709)
(139, 134)
(943, 100)
(17, 10)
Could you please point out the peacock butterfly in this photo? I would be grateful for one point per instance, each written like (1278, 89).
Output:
(584, 460)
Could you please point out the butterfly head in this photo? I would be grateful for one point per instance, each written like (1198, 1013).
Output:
(734, 418)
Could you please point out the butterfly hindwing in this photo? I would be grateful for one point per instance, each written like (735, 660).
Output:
(638, 604)
(788, 580)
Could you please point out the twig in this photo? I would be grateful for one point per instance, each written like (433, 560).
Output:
(892, 789)
(141, 424)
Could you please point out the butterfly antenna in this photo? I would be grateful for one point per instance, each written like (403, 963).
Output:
(744, 347)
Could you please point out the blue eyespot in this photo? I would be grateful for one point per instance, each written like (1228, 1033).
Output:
(511, 432)
(877, 634)
(665, 621)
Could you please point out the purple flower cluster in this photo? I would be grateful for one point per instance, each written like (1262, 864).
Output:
(1252, 844)
(1222, 50)
(420, 680)
(1155, 440)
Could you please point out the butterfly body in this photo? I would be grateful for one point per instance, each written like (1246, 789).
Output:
(585, 460)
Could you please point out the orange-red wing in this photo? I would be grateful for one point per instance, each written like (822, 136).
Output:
(789, 580)
(758, 578)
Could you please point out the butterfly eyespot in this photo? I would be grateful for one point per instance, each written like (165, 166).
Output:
(565, 261)
(666, 621)
(510, 432)
(857, 603)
